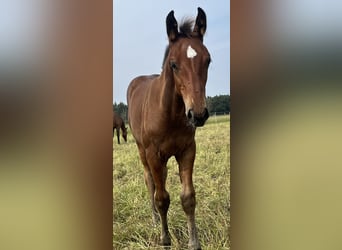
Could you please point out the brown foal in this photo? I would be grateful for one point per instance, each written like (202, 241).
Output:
(164, 111)
(118, 123)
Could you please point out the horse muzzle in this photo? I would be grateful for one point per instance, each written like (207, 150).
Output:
(198, 120)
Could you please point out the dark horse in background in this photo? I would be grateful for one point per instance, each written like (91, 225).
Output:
(163, 113)
(118, 123)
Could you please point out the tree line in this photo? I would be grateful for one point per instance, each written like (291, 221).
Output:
(217, 105)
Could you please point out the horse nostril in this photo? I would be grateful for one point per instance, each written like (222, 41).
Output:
(190, 114)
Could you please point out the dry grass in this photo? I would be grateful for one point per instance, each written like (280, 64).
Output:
(132, 225)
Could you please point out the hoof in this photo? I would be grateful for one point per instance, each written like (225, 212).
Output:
(195, 246)
(165, 240)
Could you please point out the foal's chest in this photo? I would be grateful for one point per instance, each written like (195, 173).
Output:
(172, 143)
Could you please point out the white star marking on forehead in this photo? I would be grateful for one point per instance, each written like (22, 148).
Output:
(190, 52)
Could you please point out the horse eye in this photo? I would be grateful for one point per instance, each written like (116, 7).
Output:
(173, 65)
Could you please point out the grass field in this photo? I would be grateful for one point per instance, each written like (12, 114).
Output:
(132, 220)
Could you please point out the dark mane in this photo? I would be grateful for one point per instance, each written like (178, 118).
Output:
(185, 30)
(186, 26)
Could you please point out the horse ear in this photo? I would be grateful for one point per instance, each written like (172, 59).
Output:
(171, 26)
(201, 24)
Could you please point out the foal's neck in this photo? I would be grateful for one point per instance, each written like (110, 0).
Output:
(170, 101)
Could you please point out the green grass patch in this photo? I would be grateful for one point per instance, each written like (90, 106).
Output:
(132, 219)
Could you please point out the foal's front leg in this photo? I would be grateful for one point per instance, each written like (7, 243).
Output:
(161, 196)
(149, 183)
(188, 199)
(151, 189)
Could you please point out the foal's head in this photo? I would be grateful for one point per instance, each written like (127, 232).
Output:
(189, 60)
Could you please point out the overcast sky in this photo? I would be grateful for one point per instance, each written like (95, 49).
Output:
(140, 40)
